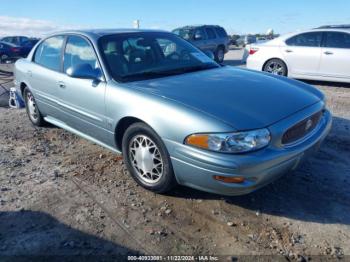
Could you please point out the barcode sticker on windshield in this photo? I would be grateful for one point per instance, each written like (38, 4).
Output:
(202, 57)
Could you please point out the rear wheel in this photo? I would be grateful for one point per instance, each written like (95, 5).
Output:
(32, 108)
(276, 67)
(147, 159)
(4, 58)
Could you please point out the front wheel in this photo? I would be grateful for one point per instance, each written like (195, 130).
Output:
(147, 159)
(276, 67)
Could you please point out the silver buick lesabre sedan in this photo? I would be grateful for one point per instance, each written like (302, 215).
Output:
(177, 116)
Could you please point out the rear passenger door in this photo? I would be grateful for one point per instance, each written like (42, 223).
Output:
(212, 39)
(302, 53)
(335, 58)
(83, 99)
(44, 74)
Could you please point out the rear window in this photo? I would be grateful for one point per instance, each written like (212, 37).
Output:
(221, 32)
(312, 39)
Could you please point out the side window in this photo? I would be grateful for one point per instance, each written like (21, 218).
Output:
(78, 51)
(7, 39)
(337, 40)
(221, 32)
(312, 39)
(210, 33)
(48, 53)
(23, 39)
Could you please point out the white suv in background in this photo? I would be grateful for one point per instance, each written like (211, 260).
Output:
(319, 54)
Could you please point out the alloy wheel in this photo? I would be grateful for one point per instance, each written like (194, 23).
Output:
(275, 68)
(146, 159)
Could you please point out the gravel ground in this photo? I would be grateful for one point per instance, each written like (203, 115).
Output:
(60, 194)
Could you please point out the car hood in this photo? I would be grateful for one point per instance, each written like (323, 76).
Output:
(241, 98)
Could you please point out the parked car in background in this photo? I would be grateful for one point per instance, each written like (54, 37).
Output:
(9, 52)
(234, 39)
(177, 116)
(246, 40)
(207, 38)
(25, 43)
(318, 54)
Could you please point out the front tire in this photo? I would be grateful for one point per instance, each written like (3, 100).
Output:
(32, 109)
(276, 67)
(220, 54)
(147, 159)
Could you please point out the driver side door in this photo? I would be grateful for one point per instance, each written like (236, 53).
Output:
(84, 99)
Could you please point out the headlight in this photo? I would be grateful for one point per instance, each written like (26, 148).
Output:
(238, 142)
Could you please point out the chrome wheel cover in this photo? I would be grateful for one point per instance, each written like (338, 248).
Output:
(32, 109)
(275, 68)
(146, 159)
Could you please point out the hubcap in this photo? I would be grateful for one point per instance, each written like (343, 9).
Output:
(146, 159)
(33, 112)
(275, 68)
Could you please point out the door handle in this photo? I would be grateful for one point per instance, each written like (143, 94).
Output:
(61, 84)
(328, 53)
(289, 51)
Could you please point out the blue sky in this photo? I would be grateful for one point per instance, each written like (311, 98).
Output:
(251, 16)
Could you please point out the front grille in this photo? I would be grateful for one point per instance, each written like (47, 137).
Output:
(302, 128)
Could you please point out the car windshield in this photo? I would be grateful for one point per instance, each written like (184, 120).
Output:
(146, 55)
(185, 33)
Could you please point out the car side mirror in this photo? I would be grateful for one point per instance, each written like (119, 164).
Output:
(84, 71)
(197, 37)
(210, 54)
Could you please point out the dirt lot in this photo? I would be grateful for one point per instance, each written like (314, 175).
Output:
(60, 194)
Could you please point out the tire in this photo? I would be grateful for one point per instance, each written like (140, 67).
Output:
(220, 54)
(147, 159)
(4, 58)
(276, 66)
(32, 109)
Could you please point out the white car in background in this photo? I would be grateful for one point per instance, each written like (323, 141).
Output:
(319, 54)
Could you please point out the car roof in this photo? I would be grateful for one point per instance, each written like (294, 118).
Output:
(197, 26)
(286, 36)
(97, 33)
(334, 27)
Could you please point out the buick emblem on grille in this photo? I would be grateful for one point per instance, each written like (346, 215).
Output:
(308, 124)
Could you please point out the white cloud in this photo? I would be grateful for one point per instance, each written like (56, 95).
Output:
(29, 27)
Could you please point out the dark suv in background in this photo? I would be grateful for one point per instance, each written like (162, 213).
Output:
(207, 38)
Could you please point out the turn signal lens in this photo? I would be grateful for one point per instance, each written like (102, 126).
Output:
(236, 180)
(198, 140)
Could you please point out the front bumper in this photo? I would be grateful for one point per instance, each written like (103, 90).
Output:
(195, 168)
